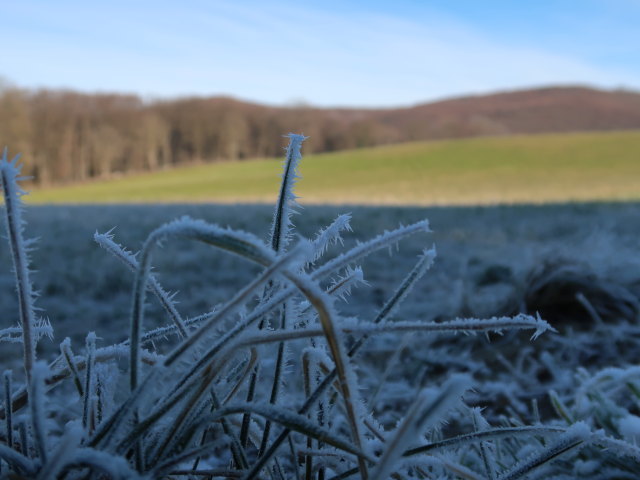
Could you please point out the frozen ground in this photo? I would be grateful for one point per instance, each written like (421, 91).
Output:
(484, 257)
(491, 261)
(483, 254)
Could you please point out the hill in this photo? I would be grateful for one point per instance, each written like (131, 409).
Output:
(544, 110)
(517, 169)
(68, 137)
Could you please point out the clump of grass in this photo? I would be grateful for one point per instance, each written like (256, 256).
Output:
(269, 384)
(564, 291)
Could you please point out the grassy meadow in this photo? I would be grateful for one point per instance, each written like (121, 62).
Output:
(480, 171)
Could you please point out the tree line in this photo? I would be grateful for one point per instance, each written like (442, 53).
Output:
(67, 136)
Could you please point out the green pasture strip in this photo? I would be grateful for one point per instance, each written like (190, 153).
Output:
(516, 169)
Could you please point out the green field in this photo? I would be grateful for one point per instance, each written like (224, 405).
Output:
(516, 169)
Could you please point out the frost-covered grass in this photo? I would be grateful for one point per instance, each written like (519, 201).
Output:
(288, 375)
(515, 169)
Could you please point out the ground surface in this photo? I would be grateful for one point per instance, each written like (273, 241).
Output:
(485, 259)
(82, 287)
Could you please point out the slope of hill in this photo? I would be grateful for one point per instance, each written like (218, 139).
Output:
(548, 110)
(69, 137)
(517, 169)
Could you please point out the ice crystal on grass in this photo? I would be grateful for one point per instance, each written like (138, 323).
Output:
(277, 382)
(422, 415)
(286, 205)
(10, 177)
(41, 328)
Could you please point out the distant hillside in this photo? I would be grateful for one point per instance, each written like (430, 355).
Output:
(545, 110)
(68, 136)
(515, 169)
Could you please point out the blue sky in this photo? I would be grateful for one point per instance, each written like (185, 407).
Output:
(330, 53)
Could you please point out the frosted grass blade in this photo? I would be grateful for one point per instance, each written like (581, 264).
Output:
(37, 406)
(330, 235)
(206, 358)
(240, 243)
(486, 451)
(425, 413)
(114, 466)
(485, 435)
(573, 437)
(286, 199)
(63, 453)
(105, 240)
(497, 325)
(8, 388)
(348, 384)
(384, 240)
(89, 382)
(9, 176)
(17, 460)
(295, 422)
(67, 355)
(422, 265)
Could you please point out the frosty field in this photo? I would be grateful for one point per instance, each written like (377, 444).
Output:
(484, 255)
(604, 237)
(322, 388)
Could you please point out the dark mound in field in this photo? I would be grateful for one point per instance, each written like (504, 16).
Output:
(564, 293)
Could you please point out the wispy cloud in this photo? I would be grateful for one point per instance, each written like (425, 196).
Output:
(277, 52)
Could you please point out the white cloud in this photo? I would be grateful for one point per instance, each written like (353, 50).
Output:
(277, 53)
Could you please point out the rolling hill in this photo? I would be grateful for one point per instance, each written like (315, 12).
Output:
(492, 170)
(68, 137)
(552, 109)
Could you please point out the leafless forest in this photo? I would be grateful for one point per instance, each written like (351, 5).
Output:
(69, 136)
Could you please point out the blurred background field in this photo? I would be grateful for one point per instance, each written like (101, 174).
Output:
(415, 103)
(543, 168)
(84, 288)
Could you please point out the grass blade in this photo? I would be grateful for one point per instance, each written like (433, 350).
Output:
(497, 325)
(204, 360)
(485, 435)
(240, 243)
(87, 410)
(286, 199)
(422, 415)
(17, 461)
(37, 409)
(8, 388)
(295, 422)
(113, 466)
(63, 453)
(105, 240)
(384, 240)
(486, 450)
(573, 437)
(67, 355)
(423, 264)
(330, 236)
(9, 176)
(348, 383)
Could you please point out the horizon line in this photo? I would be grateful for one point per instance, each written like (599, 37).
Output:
(147, 99)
